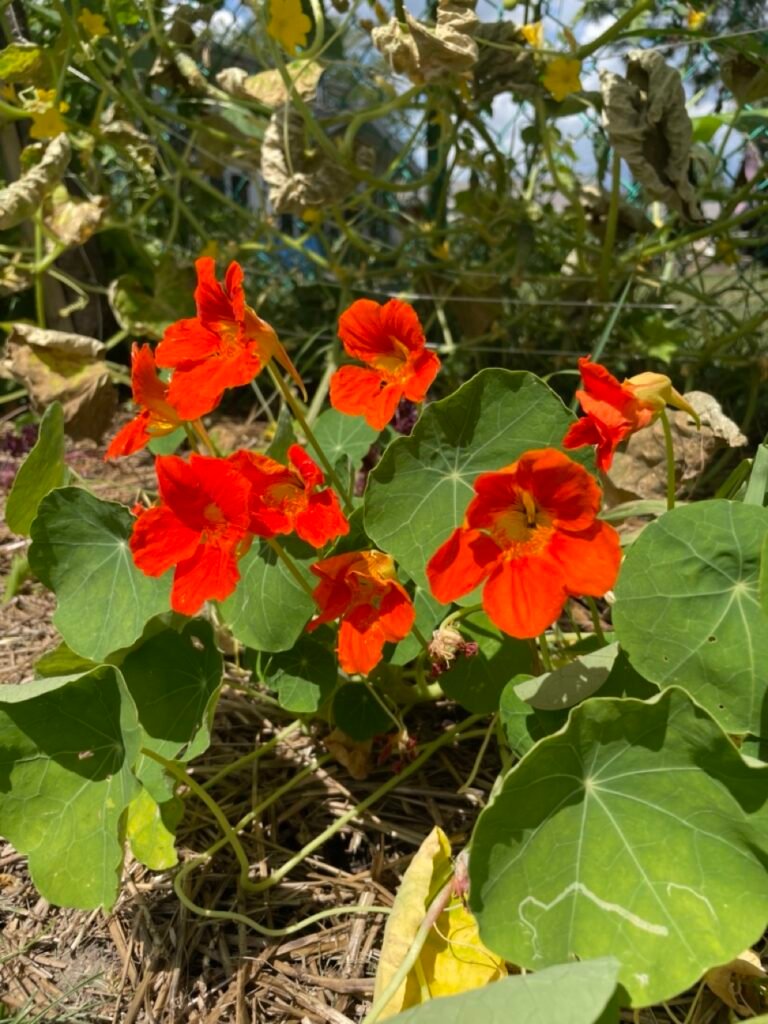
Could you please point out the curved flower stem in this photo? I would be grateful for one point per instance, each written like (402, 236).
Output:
(546, 660)
(272, 933)
(298, 412)
(479, 759)
(592, 605)
(205, 437)
(670, 451)
(461, 613)
(420, 637)
(290, 565)
(253, 755)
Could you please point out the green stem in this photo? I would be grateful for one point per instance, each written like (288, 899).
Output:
(253, 755)
(205, 437)
(272, 933)
(298, 412)
(611, 33)
(606, 259)
(480, 755)
(290, 565)
(546, 660)
(669, 448)
(592, 605)
(39, 274)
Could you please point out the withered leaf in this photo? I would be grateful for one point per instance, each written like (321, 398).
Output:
(648, 125)
(426, 54)
(21, 198)
(64, 367)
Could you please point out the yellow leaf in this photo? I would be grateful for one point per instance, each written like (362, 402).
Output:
(739, 983)
(452, 959)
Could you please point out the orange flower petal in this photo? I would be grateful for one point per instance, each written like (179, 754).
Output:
(359, 392)
(214, 304)
(210, 574)
(425, 368)
(589, 560)
(321, 520)
(560, 486)
(186, 341)
(369, 330)
(130, 438)
(359, 649)
(461, 563)
(160, 539)
(523, 596)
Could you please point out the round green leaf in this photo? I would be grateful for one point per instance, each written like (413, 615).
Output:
(688, 609)
(477, 682)
(80, 551)
(41, 472)
(67, 745)
(357, 712)
(174, 679)
(638, 832)
(269, 609)
(420, 490)
(343, 436)
(303, 677)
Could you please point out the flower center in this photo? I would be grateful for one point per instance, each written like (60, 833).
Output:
(286, 495)
(213, 514)
(523, 528)
(393, 364)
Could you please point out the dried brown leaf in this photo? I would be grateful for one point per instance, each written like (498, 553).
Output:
(648, 125)
(21, 198)
(425, 53)
(63, 367)
(733, 983)
(354, 755)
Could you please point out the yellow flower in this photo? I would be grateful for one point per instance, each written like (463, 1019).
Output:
(562, 77)
(696, 19)
(93, 23)
(534, 33)
(46, 115)
(288, 24)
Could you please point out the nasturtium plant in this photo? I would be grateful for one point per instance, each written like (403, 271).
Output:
(688, 609)
(638, 832)
(379, 555)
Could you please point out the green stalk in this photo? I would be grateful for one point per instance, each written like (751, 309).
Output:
(669, 448)
(610, 228)
(290, 565)
(298, 412)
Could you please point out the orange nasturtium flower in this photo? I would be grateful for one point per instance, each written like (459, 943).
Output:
(200, 526)
(390, 340)
(224, 346)
(362, 590)
(614, 410)
(157, 417)
(288, 499)
(532, 534)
